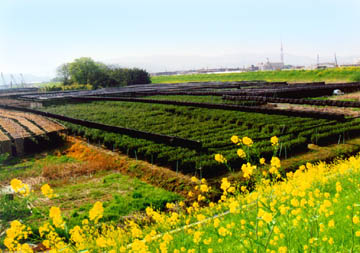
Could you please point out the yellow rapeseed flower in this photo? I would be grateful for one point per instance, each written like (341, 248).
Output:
(55, 215)
(275, 162)
(101, 242)
(274, 141)
(47, 191)
(338, 187)
(247, 170)
(355, 219)
(197, 236)
(96, 212)
(267, 217)
(194, 180)
(19, 187)
(283, 249)
(220, 158)
(235, 139)
(16, 184)
(207, 241)
(204, 188)
(225, 184)
(241, 153)
(247, 141)
(262, 161)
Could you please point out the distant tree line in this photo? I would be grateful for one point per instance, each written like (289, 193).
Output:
(85, 71)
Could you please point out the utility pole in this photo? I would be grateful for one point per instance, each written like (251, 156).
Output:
(318, 60)
(3, 79)
(282, 54)
(12, 80)
(22, 80)
(336, 63)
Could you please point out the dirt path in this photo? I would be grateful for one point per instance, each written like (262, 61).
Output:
(338, 110)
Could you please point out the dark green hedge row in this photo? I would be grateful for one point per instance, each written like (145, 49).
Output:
(213, 128)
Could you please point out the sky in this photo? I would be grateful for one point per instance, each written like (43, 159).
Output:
(158, 35)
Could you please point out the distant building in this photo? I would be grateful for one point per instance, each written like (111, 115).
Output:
(351, 65)
(253, 68)
(326, 65)
(271, 66)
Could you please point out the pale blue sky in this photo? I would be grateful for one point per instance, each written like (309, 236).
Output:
(38, 35)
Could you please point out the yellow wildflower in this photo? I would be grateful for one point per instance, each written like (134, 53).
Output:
(247, 141)
(275, 162)
(338, 187)
(247, 170)
(220, 158)
(197, 236)
(55, 215)
(47, 191)
(204, 188)
(194, 180)
(274, 141)
(235, 139)
(241, 153)
(16, 184)
(355, 219)
(282, 249)
(96, 212)
(262, 161)
(225, 184)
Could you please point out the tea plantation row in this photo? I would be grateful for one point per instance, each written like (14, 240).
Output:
(212, 127)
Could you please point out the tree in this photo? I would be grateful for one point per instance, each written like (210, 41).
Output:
(138, 76)
(86, 71)
(125, 76)
(63, 73)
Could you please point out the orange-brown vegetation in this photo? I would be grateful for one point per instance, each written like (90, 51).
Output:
(92, 159)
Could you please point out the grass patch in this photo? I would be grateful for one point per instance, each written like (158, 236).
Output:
(29, 166)
(120, 194)
(343, 74)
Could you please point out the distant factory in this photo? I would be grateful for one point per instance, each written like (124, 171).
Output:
(264, 66)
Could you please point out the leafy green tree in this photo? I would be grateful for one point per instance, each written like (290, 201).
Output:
(85, 70)
(63, 74)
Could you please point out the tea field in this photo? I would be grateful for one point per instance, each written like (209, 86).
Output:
(212, 127)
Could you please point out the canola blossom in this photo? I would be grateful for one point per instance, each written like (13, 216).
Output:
(247, 141)
(274, 141)
(47, 191)
(220, 158)
(19, 187)
(235, 139)
(313, 209)
(241, 153)
(96, 212)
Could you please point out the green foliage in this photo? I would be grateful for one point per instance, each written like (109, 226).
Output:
(213, 128)
(343, 74)
(29, 166)
(12, 208)
(63, 73)
(124, 196)
(356, 77)
(61, 86)
(84, 71)
(124, 76)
